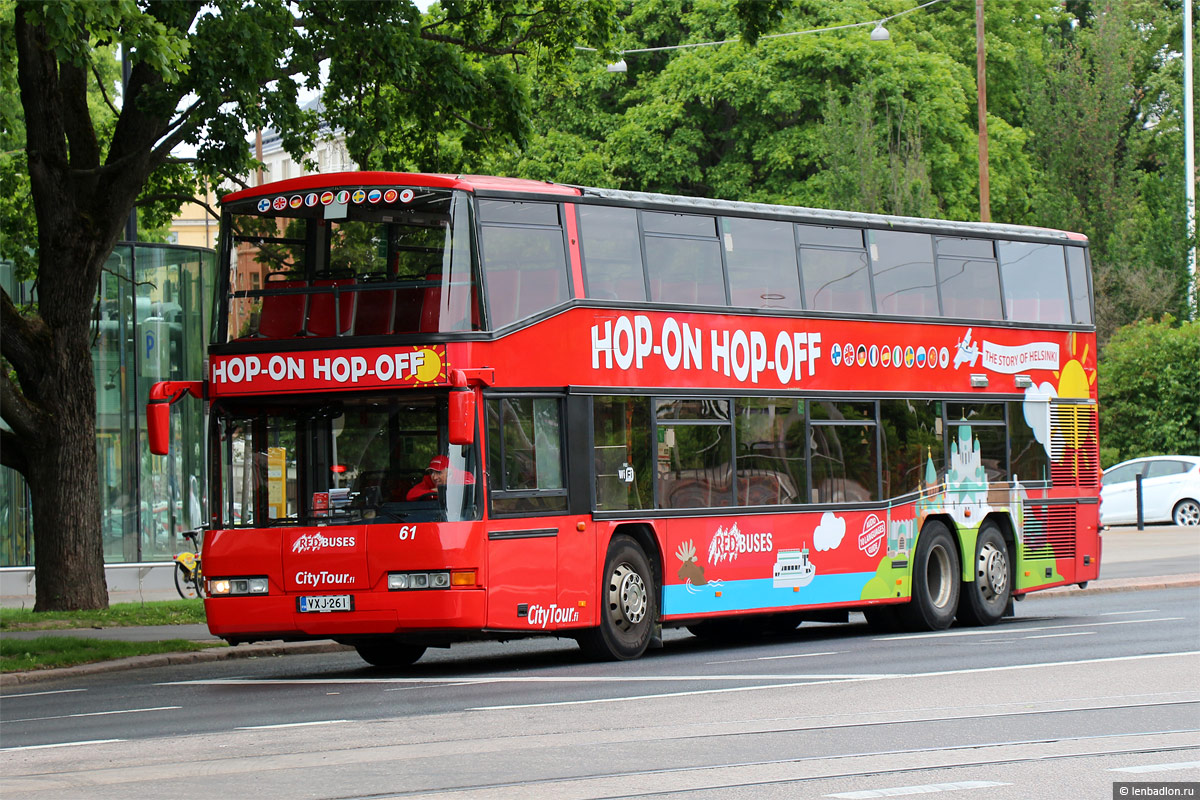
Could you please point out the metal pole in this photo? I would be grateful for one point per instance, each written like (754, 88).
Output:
(985, 203)
(1141, 517)
(1189, 156)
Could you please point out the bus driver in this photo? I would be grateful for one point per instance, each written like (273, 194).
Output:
(435, 478)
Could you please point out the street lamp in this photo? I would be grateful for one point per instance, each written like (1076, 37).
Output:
(880, 33)
(985, 203)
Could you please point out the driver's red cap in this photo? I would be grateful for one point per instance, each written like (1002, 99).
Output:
(439, 463)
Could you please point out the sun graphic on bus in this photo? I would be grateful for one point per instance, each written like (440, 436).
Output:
(1073, 379)
(432, 369)
(1074, 422)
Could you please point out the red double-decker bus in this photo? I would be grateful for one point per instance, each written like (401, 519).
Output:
(444, 408)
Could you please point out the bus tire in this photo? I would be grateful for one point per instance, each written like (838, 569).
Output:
(389, 653)
(983, 600)
(628, 605)
(936, 581)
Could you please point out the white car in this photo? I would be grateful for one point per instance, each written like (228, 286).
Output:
(1170, 491)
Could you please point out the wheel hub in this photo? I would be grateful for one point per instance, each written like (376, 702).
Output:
(992, 572)
(627, 596)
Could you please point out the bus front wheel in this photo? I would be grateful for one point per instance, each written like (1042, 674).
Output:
(936, 577)
(984, 600)
(389, 653)
(629, 606)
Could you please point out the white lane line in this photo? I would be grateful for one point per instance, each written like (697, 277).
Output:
(694, 693)
(96, 714)
(993, 631)
(1060, 635)
(928, 788)
(1159, 767)
(771, 658)
(60, 744)
(527, 679)
(39, 694)
(841, 679)
(289, 725)
(1122, 613)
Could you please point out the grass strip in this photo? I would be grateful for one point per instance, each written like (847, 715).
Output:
(47, 652)
(118, 615)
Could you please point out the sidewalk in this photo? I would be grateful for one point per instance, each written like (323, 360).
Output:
(1168, 557)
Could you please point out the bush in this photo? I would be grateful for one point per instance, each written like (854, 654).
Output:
(1150, 390)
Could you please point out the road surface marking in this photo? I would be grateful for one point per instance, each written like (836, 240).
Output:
(289, 725)
(96, 714)
(1159, 767)
(1060, 635)
(60, 744)
(842, 679)
(771, 658)
(1121, 613)
(995, 631)
(37, 694)
(527, 679)
(901, 791)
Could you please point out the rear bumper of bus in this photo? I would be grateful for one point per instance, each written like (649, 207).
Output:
(249, 619)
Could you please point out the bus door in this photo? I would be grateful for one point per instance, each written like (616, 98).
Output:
(527, 509)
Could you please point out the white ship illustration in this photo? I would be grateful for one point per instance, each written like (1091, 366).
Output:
(792, 568)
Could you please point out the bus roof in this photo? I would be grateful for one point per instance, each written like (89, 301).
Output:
(824, 216)
(469, 183)
(489, 184)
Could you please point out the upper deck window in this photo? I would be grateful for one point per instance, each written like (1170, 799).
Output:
(524, 259)
(968, 278)
(902, 272)
(1035, 282)
(383, 261)
(761, 258)
(1081, 305)
(612, 253)
(683, 259)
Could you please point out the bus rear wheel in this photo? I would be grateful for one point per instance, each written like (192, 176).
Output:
(983, 600)
(389, 653)
(936, 577)
(629, 605)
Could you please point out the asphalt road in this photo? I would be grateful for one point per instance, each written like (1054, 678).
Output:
(1053, 703)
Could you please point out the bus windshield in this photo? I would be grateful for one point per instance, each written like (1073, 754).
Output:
(350, 460)
(398, 262)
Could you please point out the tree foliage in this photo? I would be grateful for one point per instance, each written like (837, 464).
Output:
(1149, 388)
(1084, 121)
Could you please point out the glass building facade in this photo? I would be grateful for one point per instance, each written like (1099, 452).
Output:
(153, 315)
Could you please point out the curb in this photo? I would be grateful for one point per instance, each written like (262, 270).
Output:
(172, 659)
(1113, 585)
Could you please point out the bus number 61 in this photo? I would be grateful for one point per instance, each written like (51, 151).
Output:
(408, 532)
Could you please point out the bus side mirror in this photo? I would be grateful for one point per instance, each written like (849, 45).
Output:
(158, 411)
(462, 416)
(158, 426)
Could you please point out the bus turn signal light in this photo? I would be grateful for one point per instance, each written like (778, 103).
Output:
(462, 577)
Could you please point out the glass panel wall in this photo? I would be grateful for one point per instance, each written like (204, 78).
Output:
(153, 314)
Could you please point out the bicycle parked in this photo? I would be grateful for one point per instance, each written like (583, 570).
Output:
(189, 581)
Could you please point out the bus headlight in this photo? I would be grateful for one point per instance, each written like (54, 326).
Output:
(403, 581)
(218, 587)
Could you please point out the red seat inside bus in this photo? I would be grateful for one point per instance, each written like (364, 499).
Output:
(324, 317)
(282, 315)
(376, 309)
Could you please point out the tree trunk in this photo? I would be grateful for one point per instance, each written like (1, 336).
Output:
(63, 484)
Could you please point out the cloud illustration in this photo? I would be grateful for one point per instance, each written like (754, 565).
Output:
(829, 533)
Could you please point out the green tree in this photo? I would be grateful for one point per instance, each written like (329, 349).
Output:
(1150, 390)
(205, 74)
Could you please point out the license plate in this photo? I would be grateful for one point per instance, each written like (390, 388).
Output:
(325, 602)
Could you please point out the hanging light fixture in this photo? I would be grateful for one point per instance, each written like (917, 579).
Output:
(880, 33)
